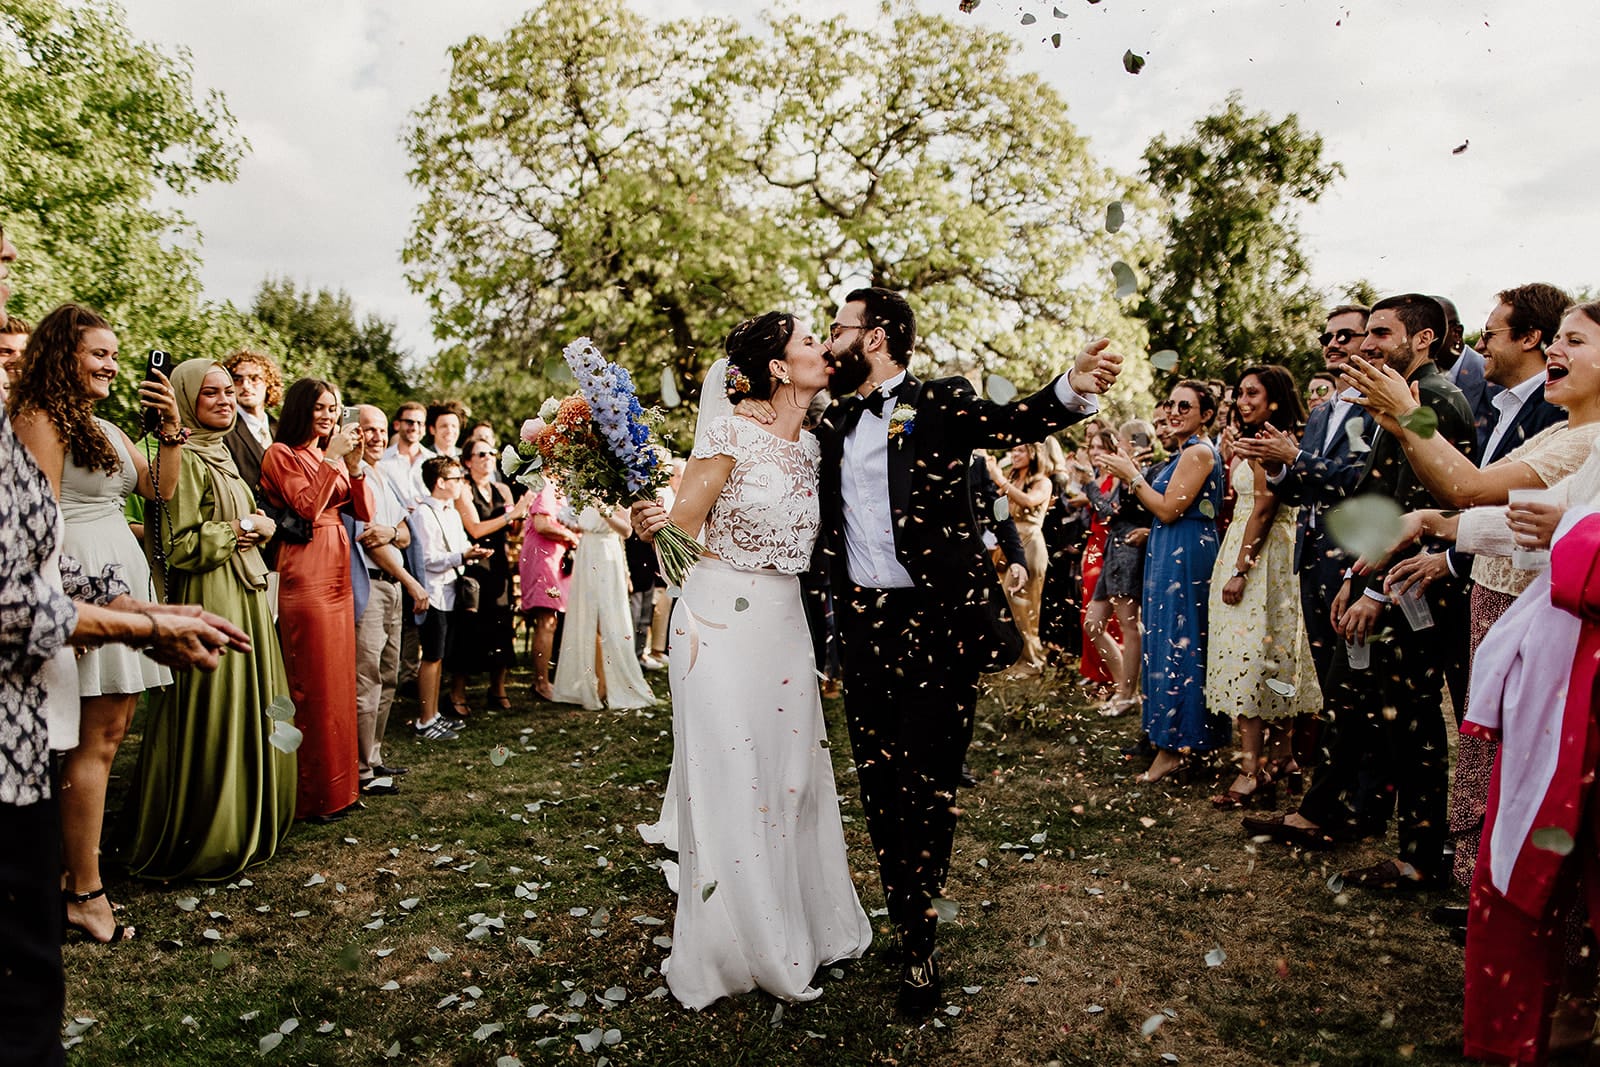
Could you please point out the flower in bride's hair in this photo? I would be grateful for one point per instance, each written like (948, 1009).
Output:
(738, 381)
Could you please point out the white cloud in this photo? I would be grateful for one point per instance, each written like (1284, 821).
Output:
(323, 91)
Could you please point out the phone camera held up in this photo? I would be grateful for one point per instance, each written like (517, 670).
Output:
(159, 361)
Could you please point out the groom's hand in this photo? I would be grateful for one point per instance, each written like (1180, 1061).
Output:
(1096, 368)
(647, 517)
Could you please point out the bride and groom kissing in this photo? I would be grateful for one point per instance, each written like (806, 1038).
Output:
(765, 896)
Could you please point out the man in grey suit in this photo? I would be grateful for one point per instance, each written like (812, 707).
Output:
(1326, 469)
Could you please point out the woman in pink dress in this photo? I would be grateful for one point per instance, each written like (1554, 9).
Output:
(543, 580)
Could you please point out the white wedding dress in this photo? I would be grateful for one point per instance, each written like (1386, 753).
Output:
(765, 896)
(597, 603)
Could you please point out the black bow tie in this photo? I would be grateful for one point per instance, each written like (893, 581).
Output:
(875, 400)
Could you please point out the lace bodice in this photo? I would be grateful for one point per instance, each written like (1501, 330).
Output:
(768, 515)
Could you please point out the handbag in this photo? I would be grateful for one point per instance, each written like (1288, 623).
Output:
(468, 592)
(293, 527)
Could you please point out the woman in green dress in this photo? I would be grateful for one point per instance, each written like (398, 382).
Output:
(212, 795)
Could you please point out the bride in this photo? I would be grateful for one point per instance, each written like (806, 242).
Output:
(765, 896)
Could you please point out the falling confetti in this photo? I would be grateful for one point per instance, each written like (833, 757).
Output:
(1460, 148)
(1165, 360)
(1131, 62)
(1114, 216)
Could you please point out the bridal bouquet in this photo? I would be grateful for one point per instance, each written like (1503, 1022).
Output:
(597, 445)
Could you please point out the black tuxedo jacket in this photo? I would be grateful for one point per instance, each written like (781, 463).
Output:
(936, 536)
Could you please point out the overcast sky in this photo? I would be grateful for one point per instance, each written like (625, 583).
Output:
(323, 88)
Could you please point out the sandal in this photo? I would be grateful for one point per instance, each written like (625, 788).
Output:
(119, 933)
(502, 699)
(1274, 827)
(1263, 794)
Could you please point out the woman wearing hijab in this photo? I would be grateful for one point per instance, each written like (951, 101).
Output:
(212, 795)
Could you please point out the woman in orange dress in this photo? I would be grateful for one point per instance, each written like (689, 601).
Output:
(1092, 665)
(313, 469)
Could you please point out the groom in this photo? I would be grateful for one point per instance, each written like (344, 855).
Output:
(920, 610)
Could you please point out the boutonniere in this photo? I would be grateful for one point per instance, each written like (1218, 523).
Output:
(902, 422)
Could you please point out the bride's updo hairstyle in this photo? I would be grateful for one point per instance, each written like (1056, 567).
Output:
(751, 347)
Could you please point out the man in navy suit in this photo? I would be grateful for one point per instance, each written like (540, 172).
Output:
(1325, 470)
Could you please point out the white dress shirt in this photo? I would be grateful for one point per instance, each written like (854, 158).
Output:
(258, 426)
(406, 475)
(444, 541)
(386, 511)
(864, 491)
(1509, 403)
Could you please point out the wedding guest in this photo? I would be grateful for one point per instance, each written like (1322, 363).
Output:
(1321, 387)
(211, 795)
(38, 627)
(484, 642)
(13, 340)
(1183, 498)
(402, 460)
(1105, 656)
(545, 571)
(258, 387)
(313, 469)
(1259, 669)
(381, 583)
(445, 421)
(67, 369)
(1066, 525)
(445, 552)
(597, 667)
(1028, 490)
(1112, 618)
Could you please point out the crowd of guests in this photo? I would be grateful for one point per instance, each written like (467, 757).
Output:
(1191, 566)
(1217, 584)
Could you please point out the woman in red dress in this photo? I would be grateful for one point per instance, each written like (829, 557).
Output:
(1092, 665)
(314, 468)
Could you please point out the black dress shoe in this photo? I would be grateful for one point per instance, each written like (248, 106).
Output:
(1141, 747)
(968, 779)
(385, 771)
(1448, 915)
(920, 990)
(1458, 934)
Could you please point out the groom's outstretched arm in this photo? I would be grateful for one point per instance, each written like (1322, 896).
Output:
(1069, 399)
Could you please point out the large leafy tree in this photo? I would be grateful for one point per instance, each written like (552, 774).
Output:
(1231, 286)
(95, 129)
(650, 184)
(324, 336)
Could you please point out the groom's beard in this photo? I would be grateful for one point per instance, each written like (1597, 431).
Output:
(850, 369)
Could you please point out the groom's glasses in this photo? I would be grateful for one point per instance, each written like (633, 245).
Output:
(840, 327)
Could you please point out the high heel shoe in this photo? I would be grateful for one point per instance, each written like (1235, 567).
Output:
(119, 933)
(1178, 773)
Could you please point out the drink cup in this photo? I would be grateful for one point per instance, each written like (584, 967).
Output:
(1414, 606)
(1360, 654)
(1530, 559)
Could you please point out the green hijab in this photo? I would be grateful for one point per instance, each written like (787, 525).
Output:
(231, 496)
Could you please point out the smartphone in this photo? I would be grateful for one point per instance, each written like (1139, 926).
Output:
(350, 413)
(1141, 441)
(157, 361)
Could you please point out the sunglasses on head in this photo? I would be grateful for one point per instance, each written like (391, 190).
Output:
(1344, 337)
(1183, 406)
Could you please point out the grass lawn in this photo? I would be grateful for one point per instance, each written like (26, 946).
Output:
(494, 914)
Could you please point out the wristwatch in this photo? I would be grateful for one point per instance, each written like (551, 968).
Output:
(247, 524)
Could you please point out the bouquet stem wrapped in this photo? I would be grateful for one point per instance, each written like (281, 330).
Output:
(598, 446)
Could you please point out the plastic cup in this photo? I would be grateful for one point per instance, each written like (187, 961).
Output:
(1414, 606)
(1360, 654)
(1530, 559)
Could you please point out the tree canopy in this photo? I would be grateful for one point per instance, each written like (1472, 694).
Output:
(1231, 286)
(96, 128)
(651, 184)
(324, 336)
